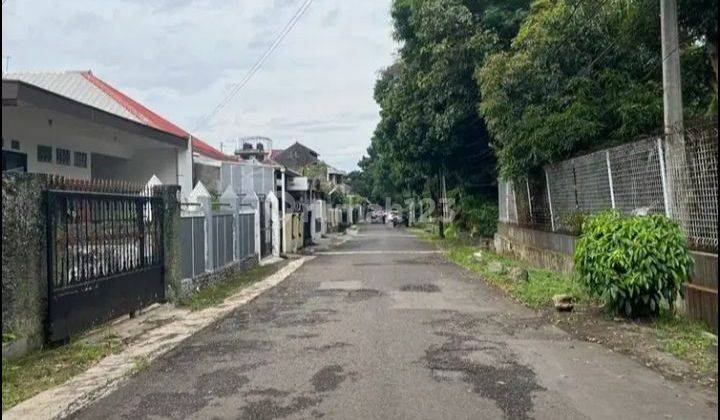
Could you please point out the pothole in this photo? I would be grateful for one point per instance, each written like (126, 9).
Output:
(362, 294)
(423, 288)
(489, 369)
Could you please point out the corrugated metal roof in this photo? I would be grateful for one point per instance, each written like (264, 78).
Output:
(86, 88)
(74, 85)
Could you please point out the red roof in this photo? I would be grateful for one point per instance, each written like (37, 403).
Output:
(209, 151)
(154, 120)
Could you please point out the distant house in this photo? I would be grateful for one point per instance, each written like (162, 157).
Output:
(76, 125)
(207, 162)
(296, 157)
(336, 178)
(254, 174)
(317, 186)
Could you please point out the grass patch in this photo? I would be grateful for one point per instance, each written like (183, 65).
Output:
(683, 338)
(217, 293)
(536, 293)
(687, 340)
(31, 374)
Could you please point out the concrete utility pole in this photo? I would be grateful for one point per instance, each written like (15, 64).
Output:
(672, 88)
(673, 108)
(440, 204)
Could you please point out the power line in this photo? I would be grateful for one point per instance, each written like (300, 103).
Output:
(273, 46)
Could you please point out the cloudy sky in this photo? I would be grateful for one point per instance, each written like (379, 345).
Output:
(181, 57)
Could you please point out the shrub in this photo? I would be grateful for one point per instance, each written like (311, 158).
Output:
(451, 232)
(632, 263)
(476, 215)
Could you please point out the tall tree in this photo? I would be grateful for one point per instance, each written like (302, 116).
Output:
(582, 75)
(429, 121)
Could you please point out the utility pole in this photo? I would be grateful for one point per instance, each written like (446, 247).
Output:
(673, 108)
(672, 88)
(441, 205)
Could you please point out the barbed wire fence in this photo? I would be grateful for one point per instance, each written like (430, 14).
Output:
(634, 178)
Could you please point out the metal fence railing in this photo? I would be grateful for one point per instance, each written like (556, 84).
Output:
(676, 175)
(192, 235)
(213, 240)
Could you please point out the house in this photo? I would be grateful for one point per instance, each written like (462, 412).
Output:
(336, 178)
(296, 157)
(253, 173)
(323, 185)
(207, 162)
(76, 125)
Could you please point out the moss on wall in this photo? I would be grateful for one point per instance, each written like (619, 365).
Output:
(171, 242)
(24, 272)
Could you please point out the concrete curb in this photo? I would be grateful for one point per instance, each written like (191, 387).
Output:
(111, 372)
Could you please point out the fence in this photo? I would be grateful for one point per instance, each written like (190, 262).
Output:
(215, 235)
(95, 235)
(671, 175)
(192, 234)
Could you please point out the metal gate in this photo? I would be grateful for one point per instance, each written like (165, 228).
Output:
(265, 230)
(105, 258)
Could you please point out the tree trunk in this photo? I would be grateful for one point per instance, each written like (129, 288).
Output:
(711, 49)
(712, 54)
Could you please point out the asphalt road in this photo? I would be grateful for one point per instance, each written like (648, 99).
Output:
(382, 328)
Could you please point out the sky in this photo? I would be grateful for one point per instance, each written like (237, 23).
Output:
(181, 57)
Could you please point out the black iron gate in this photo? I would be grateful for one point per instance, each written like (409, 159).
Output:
(105, 258)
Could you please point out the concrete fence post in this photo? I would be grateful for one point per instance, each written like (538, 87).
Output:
(527, 187)
(547, 186)
(663, 178)
(171, 240)
(610, 179)
(252, 201)
(274, 212)
(507, 201)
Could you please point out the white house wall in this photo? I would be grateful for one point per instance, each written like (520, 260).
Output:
(120, 155)
(141, 167)
(185, 169)
(32, 127)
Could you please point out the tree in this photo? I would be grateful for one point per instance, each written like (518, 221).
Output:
(429, 121)
(581, 76)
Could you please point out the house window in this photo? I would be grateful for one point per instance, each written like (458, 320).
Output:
(81, 159)
(44, 153)
(62, 156)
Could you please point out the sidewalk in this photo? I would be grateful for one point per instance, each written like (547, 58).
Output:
(149, 335)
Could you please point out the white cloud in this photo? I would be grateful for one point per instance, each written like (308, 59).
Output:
(180, 58)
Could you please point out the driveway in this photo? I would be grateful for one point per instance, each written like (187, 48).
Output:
(383, 328)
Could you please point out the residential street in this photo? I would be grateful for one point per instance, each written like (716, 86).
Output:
(382, 327)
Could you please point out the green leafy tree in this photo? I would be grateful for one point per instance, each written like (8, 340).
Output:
(429, 121)
(584, 75)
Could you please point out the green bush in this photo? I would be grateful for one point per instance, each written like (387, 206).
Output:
(476, 215)
(451, 232)
(633, 263)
